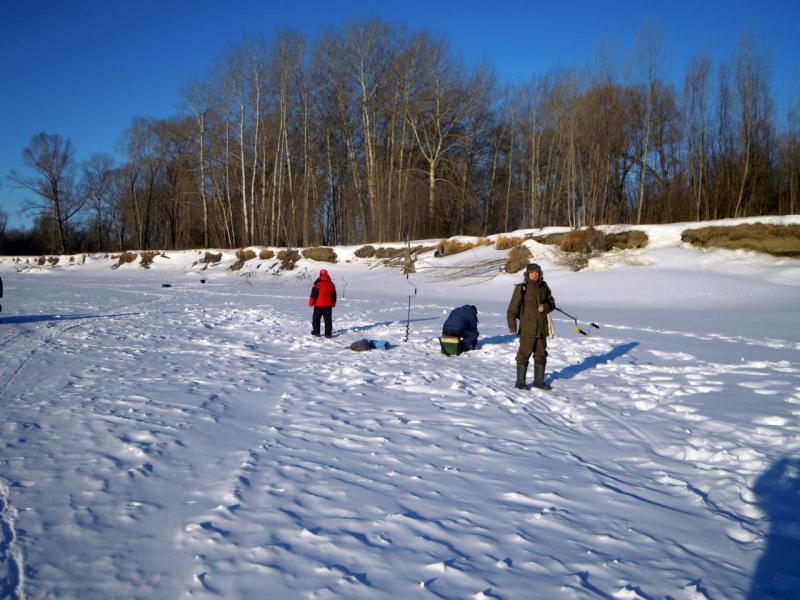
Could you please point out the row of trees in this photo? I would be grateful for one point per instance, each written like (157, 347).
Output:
(373, 131)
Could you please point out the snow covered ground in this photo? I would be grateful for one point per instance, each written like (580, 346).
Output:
(196, 441)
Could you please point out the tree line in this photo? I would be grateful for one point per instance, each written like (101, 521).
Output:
(372, 132)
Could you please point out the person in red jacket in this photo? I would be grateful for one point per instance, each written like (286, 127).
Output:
(323, 299)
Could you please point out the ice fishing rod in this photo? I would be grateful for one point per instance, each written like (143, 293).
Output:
(577, 328)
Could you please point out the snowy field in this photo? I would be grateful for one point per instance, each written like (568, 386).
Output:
(196, 441)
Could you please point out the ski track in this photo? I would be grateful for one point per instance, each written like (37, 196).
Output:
(313, 479)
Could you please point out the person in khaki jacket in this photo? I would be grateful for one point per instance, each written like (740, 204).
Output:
(530, 305)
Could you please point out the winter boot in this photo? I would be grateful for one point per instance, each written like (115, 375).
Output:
(522, 373)
(538, 378)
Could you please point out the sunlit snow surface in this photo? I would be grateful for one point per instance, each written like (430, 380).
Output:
(196, 441)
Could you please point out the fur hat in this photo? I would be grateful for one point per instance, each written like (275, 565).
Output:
(533, 267)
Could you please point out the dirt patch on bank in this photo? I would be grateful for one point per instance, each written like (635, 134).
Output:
(778, 240)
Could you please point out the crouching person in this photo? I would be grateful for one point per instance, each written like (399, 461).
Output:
(530, 305)
(323, 299)
(463, 323)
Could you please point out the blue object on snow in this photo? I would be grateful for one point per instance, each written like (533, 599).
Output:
(379, 344)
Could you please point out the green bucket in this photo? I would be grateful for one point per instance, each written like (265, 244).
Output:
(451, 346)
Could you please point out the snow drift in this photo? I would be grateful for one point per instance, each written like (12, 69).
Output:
(196, 441)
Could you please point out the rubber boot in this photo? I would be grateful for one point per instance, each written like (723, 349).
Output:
(522, 374)
(538, 378)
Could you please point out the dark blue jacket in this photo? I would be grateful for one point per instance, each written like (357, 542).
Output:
(463, 322)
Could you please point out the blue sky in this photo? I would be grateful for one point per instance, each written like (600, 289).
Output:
(84, 69)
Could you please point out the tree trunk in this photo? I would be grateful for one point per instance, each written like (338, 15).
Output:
(745, 173)
(509, 173)
(203, 197)
(306, 173)
(431, 196)
(644, 156)
(245, 215)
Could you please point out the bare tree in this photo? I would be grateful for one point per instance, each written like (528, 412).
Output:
(97, 184)
(792, 154)
(368, 55)
(145, 167)
(373, 130)
(199, 99)
(649, 47)
(696, 91)
(448, 96)
(286, 80)
(52, 159)
(752, 93)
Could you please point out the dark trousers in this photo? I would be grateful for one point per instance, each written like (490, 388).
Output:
(532, 345)
(320, 312)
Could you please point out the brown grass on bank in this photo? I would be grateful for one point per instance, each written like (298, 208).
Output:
(53, 260)
(147, 258)
(288, 258)
(211, 258)
(626, 240)
(518, 259)
(243, 255)
(266, 254)
(125, 257)
(584, 241)
(365, 252)
(372, 252)
(580, 244)
(778, 240)
(321, 254)
(389, 252)
(450, 247)
(591, 240)
(575, 261)
(551, 239)
(507, 242)
(612, 241)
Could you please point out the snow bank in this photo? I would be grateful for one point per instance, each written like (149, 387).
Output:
(196, 441)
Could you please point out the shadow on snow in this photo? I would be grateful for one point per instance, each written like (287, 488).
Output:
(590, 362)
(497, 339)
(379, 324)
(22, 319)
(778, 572)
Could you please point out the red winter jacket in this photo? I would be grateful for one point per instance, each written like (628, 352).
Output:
(323, 293)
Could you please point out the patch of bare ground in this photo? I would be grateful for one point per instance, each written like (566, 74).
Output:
(778, 240)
